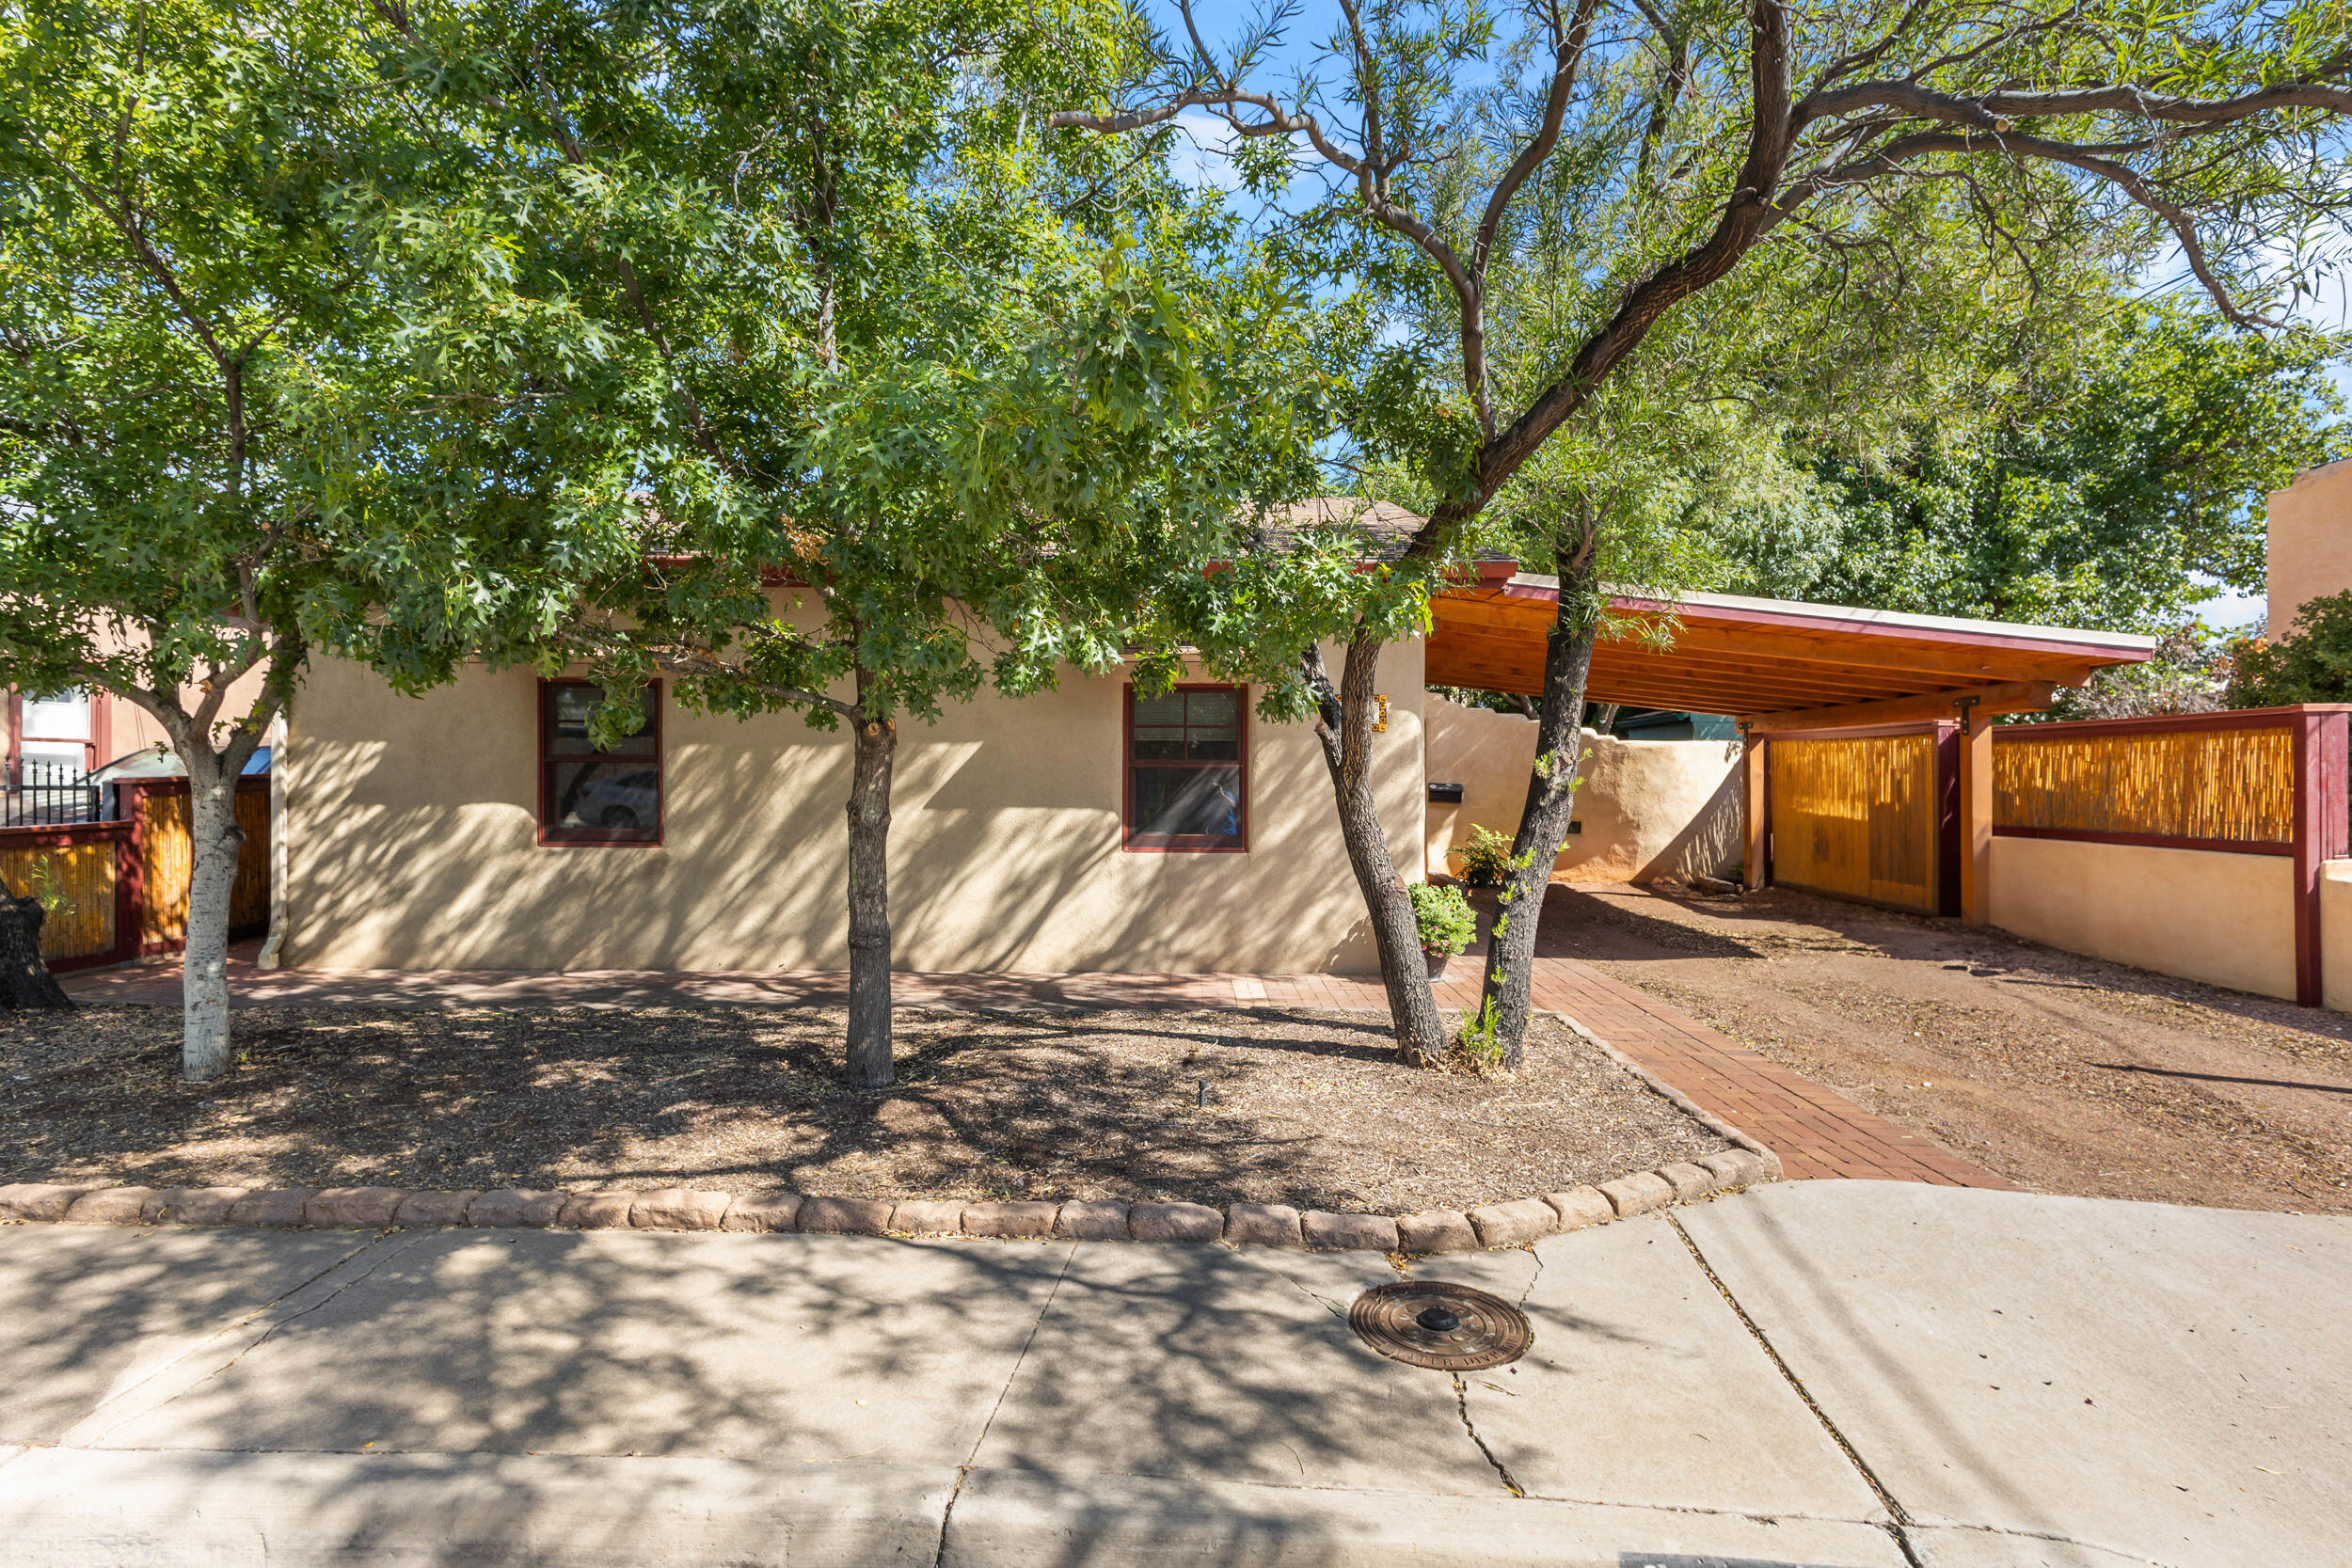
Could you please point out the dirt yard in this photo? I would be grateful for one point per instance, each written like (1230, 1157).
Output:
(1212, 1107)
(2064, 1074)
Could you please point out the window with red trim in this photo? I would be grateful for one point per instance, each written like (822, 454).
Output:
(592, 796)
(1187, 770)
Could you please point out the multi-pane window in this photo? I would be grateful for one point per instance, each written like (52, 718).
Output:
(1188, 770)
(592, 796)
(54, 733)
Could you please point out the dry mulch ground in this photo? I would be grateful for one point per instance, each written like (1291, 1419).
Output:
(1301, 1108)
(2064, 1073)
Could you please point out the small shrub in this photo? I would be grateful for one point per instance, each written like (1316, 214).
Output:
(2310, 662)
(1444, 917)
(1486, 859)
(1475, 1049)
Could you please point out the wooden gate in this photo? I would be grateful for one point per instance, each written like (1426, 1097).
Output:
(1858, 816)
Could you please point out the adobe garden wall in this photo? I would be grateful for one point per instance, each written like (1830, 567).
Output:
(1646, 809)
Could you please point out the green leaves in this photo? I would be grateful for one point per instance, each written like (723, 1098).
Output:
(2099, 492)
(2311, 662)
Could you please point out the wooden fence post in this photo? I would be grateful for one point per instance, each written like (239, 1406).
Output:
(2321, 829)
(1758, 808)
(130, 875)
(1976, 817)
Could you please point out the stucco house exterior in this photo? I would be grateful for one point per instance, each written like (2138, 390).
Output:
(1075, 830)
(2310, 541)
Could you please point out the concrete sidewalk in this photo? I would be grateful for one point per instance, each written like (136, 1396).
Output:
(1826, 1375)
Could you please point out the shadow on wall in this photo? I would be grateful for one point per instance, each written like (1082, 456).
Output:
(1715, 842)
(415, 846)
(1644, 809)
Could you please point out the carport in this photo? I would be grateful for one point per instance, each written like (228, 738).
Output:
(1869, 766)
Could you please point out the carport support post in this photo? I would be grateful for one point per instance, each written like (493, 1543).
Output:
(1976, 815)
(1753, 764)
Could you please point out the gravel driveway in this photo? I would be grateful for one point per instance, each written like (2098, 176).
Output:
(2064, 1074)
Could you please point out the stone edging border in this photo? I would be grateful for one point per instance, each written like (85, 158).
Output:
(1513, 1222)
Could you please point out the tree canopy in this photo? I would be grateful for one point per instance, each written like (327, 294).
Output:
(893, 397)
(208, 409)
(2117, 486)
(1696, 140)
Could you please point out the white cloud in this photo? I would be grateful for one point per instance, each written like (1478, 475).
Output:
(1202, 154)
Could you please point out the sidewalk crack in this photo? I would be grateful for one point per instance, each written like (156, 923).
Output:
(385, 1254)
(971, 1461)
(1461, 1402)
(1898, 1521)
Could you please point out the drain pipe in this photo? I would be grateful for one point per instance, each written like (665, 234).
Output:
(273, 947)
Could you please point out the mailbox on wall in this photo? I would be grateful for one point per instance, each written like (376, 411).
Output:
(1450, 794)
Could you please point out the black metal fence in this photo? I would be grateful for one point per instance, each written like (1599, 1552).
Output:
(43, 793)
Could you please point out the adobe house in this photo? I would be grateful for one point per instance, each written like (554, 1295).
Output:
(2310, 541)
(1081, 829)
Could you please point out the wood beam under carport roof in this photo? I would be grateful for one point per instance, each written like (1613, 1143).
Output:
(1872, 645)
(1657, 687)
(1612, 661)
(2009, 697)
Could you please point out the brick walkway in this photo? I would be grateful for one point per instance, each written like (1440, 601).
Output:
(1815, 1131)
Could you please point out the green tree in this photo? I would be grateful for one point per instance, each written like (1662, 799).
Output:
(2116, 485)
(1847, 129)
(897, 399)
(2311, 662)
(201, 394)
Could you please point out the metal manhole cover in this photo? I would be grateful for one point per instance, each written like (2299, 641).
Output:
(1451, 1327)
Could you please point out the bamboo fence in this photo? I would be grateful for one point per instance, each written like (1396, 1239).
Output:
(80, 878)
(2225, 785)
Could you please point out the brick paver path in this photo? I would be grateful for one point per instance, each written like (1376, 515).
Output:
(1816, 1132)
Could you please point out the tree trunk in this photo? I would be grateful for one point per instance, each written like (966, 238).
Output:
(24, 979)
(1507, 998)
(875, 744)
(214, 842)
(1420, 1038)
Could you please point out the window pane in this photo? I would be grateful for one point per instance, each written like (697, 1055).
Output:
(568, 708)
(59, 716)
(1221, 709)
(1159, 743)
(1200, 802)
(618, 798)
(1167, 710)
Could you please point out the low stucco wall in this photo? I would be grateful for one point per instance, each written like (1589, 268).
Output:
(413, 825)
(2228, 920)
(2310, 540)
(2335, 935)
(1646, 809)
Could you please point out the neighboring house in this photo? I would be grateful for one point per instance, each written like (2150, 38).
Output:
(71, 730)
(2310, 541)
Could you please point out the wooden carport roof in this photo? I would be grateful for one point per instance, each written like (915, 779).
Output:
(1773, 664)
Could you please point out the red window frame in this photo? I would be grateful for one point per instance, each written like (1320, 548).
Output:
(554, 835)
(1188, 844)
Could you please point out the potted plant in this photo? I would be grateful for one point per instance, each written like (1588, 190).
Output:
(1446, 925)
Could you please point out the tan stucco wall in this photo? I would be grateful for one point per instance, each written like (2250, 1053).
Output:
(2335, 935)
(412, 828)
(1646, 808)
(2228, 920)
(2311, 540)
